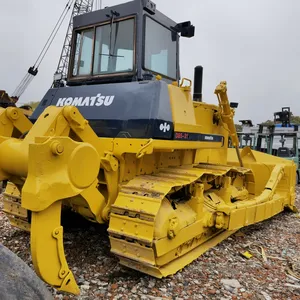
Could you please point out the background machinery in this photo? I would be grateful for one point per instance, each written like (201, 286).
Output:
(281, 141)
(127, 144)
(7, 101)
(246, 136)
(280, 138)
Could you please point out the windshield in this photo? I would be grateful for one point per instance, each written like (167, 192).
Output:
(160, 50)
(105, 49)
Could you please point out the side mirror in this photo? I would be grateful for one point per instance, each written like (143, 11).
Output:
(234, 104)
(186, 29)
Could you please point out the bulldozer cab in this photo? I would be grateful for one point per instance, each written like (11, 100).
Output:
(116, 55)
(127, 42)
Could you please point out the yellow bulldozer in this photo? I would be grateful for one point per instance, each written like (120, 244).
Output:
(129, 144)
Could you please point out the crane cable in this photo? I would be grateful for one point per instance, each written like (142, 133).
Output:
(98, 4)
(32, 71)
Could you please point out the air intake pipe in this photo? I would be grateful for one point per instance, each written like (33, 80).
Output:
(198, 79)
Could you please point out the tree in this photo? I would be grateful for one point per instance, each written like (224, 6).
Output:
(268, 122)
(295, 119)
(238, 127)
(34, 104)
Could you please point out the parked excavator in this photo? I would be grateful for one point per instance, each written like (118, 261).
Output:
(127, 143)
(7, 101)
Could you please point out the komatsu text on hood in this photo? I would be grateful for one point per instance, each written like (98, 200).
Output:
(97, 100)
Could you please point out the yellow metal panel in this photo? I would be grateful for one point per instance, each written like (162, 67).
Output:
(237, 219)
(67, 173)
(19, 223)
(17, 215)
(163, 246)
(48, 251)
(250, 213)
(182, 107)
(13, 117)
(204, 114)
(14, 208)
(12, 190)
(260, 212)
(269, 209)
(138, 204)
(133, 228)
(278, 205)
(255, 213)
(132, 251)
(179, 262)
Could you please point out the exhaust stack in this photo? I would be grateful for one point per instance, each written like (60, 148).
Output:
(198, 79)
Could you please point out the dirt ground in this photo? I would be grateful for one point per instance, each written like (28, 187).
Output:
(272, 272)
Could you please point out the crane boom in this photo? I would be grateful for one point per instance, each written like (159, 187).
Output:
(79, 7)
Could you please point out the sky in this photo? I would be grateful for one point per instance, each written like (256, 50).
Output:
(252, 44)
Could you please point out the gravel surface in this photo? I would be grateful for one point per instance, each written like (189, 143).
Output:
(221, 273)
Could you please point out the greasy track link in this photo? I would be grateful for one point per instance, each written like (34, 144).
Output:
(17, 215)
(132, 218)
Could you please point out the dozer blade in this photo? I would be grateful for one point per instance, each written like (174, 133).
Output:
(47, 249)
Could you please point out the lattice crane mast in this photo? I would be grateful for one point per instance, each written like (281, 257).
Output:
(79, 7)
